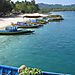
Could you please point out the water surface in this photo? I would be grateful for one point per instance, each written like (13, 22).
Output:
(51, 47)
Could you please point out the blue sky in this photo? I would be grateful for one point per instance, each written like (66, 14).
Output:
(64, 2)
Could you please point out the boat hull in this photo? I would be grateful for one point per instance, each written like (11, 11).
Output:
(35, 26)
(15, 33)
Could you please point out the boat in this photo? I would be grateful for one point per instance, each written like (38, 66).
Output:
(25, 25)
(55, 18)
(31, 26)
(32, 16)
(12, 30)
(7, 70)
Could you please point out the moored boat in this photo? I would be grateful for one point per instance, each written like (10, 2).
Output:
(13, 31)
(30, 26)
(25, 25)
(54, 18)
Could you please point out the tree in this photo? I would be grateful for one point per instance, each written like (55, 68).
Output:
(17, 6)
(25, 1)
(26, 6)
(5, 7)
(1, 5)
(33, 2)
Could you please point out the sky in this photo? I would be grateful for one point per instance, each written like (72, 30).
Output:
(63, 2)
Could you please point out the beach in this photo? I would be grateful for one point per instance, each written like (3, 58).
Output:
(7, 21)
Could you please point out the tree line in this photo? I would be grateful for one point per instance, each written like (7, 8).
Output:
(45, 8)
(8, 6)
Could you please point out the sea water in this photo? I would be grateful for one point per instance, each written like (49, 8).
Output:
(50, 48)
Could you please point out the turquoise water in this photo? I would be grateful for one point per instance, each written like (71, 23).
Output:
(51, 47)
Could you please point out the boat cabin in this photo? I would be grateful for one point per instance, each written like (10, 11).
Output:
(11, 28)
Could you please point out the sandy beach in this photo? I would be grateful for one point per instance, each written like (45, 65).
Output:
(7, 21)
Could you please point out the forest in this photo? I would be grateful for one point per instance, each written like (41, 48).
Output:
(8, 6)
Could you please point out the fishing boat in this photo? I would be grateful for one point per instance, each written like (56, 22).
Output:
(7, 70)
(55, 18)
(13, 30)
(25, 25)
(30, 26)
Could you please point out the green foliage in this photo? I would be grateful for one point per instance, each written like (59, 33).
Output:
(31, 71)
(26, 6)
(45, 8)
(1, 5)
(7, 6)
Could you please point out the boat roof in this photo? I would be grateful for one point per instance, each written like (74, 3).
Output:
(34, 15)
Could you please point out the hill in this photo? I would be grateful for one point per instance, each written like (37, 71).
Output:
(42, 5)
(55, 7)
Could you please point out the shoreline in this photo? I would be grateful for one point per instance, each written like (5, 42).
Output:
(8, 20)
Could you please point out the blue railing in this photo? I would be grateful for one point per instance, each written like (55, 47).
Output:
(7, 70)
